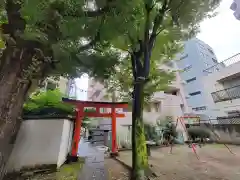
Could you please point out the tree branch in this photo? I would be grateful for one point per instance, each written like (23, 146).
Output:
(98, 12)
(158, 21)
(146, 62)
(95, 39)
(59, 6)
(134, 70)
(15, 20)
(175, 16)
(101, 11)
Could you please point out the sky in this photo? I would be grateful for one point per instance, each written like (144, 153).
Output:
(221, 32)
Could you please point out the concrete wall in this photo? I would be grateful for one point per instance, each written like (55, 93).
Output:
(44, 141)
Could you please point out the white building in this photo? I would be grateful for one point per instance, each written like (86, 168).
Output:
(171, 103)
(195, 58)
(223, 87)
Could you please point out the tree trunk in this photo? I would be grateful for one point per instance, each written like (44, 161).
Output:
(139, 151)
(13, 90)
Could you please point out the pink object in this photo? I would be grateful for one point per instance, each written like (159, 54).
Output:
(194, 150)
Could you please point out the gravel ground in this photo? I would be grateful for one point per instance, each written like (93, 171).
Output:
(216, 163)
(116, 171)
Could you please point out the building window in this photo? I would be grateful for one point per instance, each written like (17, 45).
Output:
(51, 85)
(199, 108)
(156, 106)
(214, 60)
(174, 93)
(184, 57)
(190, 80)
(148, 108)
(187, 68)
(233, 113)
(195, 93)
(202, 54)
(208, 65)
(182, 107)
(210, 51)
(201, 46)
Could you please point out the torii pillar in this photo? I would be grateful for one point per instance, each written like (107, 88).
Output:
(80, 105)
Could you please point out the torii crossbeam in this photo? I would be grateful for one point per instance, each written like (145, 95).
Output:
(80, 105)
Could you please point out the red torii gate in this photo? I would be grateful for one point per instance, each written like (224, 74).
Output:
(80, 105)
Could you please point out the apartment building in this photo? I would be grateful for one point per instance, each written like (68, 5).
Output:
(223, 87)
(195, 58)
(168, 104)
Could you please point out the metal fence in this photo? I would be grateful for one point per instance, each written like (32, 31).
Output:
(227, 62)
(222, 120)
(226, 94)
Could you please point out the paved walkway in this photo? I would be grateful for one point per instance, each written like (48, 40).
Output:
(93, 168)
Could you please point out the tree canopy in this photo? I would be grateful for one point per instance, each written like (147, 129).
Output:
(122, 81)
(64, 37)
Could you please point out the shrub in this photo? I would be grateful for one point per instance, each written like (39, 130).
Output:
(198, 132)
(47, 103)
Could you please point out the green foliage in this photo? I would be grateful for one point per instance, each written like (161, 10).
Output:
(71, 38)
(60, 30)
(150, 132)
(47, 99)
(50, 103)
(121, 81)
(177, 21)
(167, 127)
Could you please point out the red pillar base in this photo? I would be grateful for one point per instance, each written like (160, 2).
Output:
(114, 154)
(71, 159)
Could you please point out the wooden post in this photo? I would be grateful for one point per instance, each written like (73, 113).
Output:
(77, 131)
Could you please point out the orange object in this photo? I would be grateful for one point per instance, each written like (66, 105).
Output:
(80, 105)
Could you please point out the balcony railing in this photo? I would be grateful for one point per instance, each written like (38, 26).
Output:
(227, 62)
(226, 94)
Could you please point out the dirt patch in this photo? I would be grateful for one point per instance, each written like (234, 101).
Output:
(214, 164)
